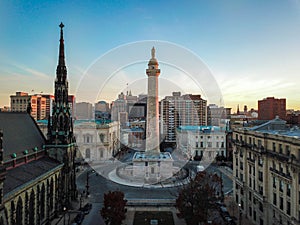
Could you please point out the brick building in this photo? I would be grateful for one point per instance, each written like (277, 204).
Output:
(270, 107)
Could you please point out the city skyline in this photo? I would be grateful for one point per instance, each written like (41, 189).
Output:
(251, 47)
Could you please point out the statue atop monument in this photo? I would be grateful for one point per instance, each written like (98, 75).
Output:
(153, 52)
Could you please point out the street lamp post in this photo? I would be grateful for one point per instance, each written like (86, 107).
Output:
(87, 182)
(81, 199)
(65, 211)
(240, 214)
(222, 185)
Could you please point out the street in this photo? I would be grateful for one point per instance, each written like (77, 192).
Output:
(98, 185)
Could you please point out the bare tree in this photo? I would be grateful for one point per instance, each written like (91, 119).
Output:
(113, 211)
(198, 197)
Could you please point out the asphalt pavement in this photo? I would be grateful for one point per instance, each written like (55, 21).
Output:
(98, 185)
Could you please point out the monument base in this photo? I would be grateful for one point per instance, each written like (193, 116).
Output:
(152, 167)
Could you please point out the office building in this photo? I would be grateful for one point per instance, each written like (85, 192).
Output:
(270, 107)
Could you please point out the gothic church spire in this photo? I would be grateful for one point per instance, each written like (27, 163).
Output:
(60, 125)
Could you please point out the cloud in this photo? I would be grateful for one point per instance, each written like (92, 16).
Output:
(36, 73)
(249, 89)
(21, 71)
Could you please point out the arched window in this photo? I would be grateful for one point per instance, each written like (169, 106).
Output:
(38, 204)
(101, 153)
(87, 153)
(19, 212)
(56, 189)
(26, 209)
(42, 202)
(12, 212)
(101, 136)
(1, 221)
(51, 194)
(31, 208)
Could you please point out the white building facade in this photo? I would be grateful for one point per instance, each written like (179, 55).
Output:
(202, 142)
(97, 142)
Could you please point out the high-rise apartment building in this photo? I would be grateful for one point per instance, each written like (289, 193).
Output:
(266, 169)
(270, 107)
(118, 106)
(217, 116)
(72, 104)
(102, 106)
(84, 111)
(102, 110)
(49, 104)
(21, 101)
(134, 106)
(181, 110)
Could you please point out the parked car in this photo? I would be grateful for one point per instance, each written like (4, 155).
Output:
(86, 208)
(79, 218)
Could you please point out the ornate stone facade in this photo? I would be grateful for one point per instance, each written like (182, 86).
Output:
(97, 141)
(266, 169)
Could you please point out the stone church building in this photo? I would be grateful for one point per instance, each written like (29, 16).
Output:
(37, 175)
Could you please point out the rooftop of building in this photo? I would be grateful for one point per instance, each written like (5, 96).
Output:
(203, 129)
(276, 126)
(162, 156)
(133, 129)
(77, 122)
(29, 172)
(20, 133)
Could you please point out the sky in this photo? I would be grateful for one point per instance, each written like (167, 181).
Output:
(250, 47)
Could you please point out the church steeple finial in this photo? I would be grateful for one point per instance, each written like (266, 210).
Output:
(61, 59)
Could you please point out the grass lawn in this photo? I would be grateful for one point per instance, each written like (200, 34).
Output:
(153, 218)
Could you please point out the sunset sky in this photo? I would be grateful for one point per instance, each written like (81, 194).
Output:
(251, 47)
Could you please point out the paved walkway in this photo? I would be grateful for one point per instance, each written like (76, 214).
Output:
(227, 171)
(131, 211)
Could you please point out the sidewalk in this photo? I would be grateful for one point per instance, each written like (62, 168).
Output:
(132, 209)
(233, 211)
(67, 217)
(226, 170)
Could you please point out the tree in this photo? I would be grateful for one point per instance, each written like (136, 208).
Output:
(199, 196)
(113, 211)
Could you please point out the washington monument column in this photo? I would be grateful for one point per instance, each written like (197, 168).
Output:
(152, 131)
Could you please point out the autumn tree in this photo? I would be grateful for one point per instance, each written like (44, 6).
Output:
(113, 211)
(199, 196)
